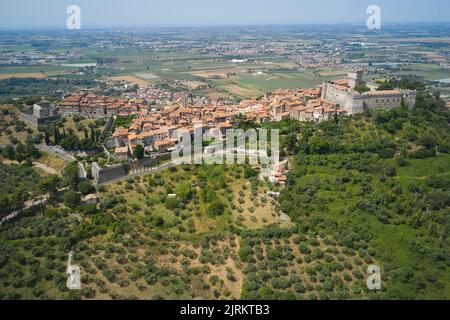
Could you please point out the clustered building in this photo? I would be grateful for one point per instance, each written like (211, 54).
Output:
(160, 130)
(159, 126)
(92, 106)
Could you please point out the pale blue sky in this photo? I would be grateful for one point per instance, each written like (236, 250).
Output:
(130, 13)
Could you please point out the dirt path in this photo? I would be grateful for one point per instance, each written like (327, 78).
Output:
(45, 168)
(39, 165)
(27, 205)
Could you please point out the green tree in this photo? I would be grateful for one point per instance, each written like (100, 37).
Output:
(242, 122)
(32, 152)
(139, 152)
(93, 138)
(427, 140)
(71, 199)
(46, 138)
(249, 172)
(216, 208)
(291, 143)
(56, 136)
(4, 204)
(362, 88)
(71, 175)
(172, 203)
(50, 184)
(85, 187)
(20, 153)
(8, 152)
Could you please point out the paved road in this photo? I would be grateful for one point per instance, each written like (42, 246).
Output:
(82, 172)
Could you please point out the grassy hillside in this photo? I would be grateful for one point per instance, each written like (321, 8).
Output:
(380, 183)
(370, 189)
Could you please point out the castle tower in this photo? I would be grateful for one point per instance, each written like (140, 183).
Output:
(409, 97)
(355, 79)
(42, 109)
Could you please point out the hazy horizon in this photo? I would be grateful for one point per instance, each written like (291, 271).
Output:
(51, 14)
(212, 26)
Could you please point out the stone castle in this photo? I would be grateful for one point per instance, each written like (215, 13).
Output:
(43, 112)
(343, 93)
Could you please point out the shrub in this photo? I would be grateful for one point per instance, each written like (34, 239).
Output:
(172, 203)
(216, 208)
(71, 199)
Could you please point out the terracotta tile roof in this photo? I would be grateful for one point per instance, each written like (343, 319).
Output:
(225, 125)
(121, 150)
(163, 143)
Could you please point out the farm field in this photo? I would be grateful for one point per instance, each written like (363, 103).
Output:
(22, 75)
(132, 79)
(254, 85)
(428, 71)
(45, 70)
(242, 79)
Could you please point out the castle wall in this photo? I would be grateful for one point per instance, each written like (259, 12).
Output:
(102, 175)
(334, 95)
(410, 97)
(36, 121)
(372, 102)
(390, 101)
(109, 125)
(354, 102)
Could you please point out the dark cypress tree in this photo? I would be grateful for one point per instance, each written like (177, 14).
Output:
(92, 134)
(56, 136)
(47, 138)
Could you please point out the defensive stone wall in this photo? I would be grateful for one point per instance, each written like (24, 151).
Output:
(103, 175)
(109, 125)
(354, 102)
(36, 121)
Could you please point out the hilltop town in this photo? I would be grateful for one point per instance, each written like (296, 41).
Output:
(158, 128)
